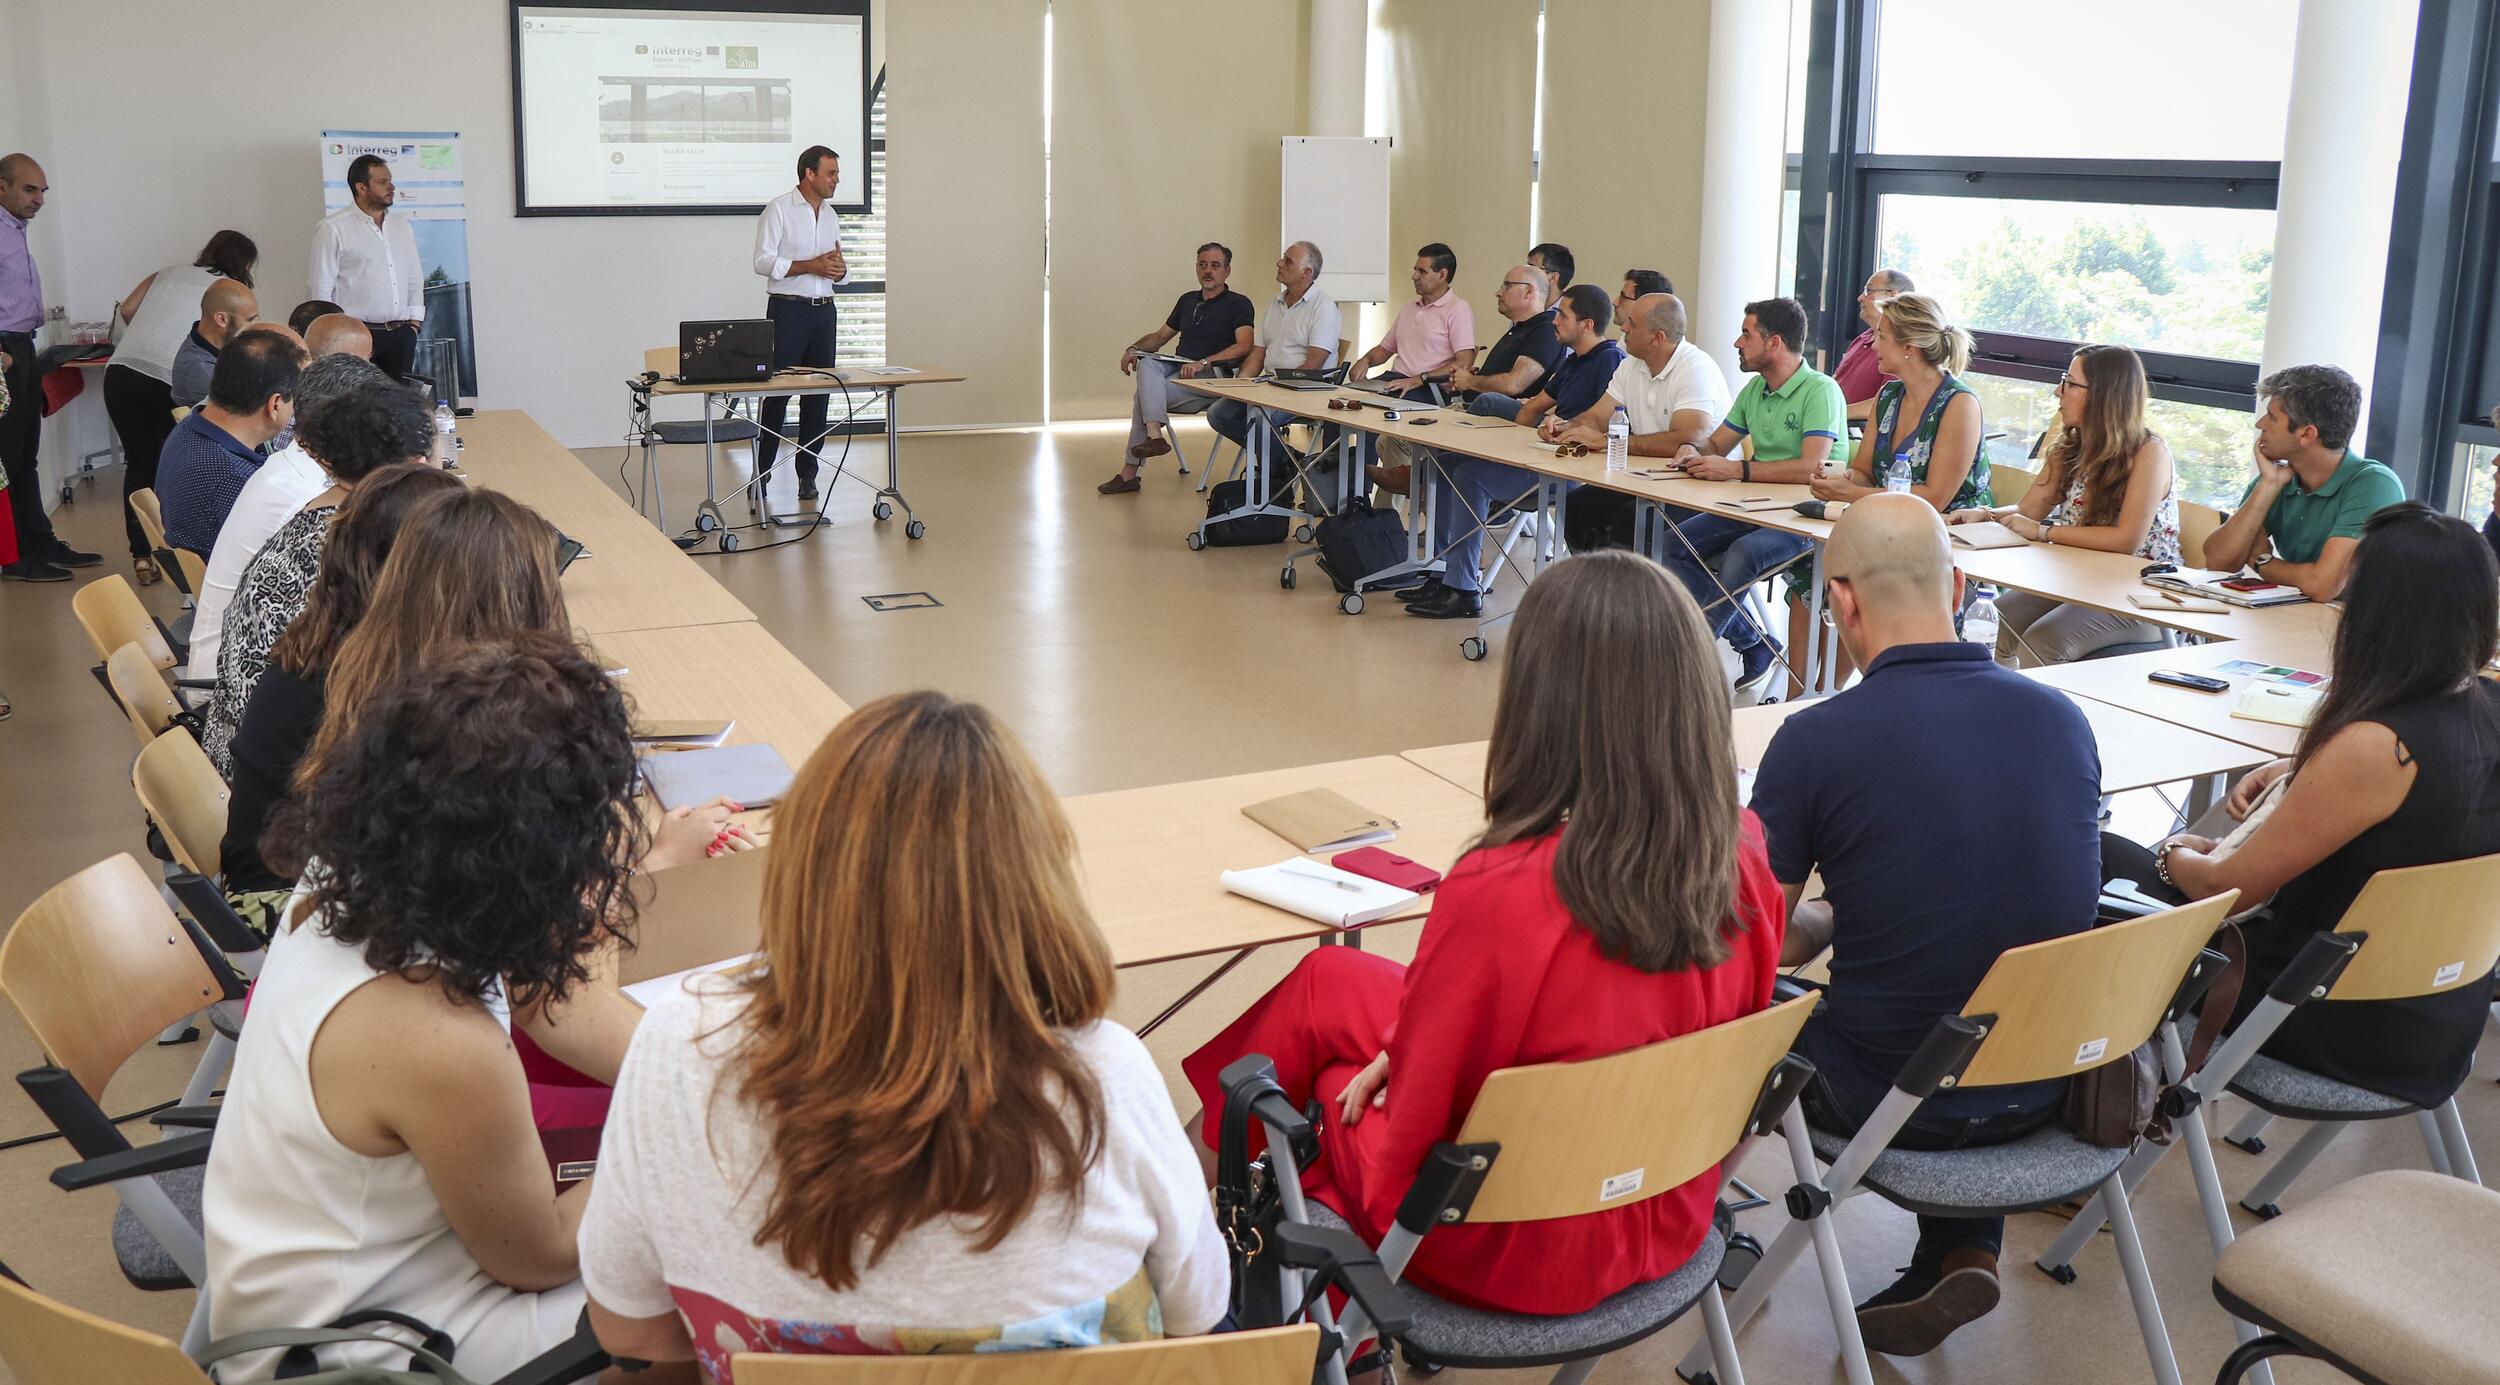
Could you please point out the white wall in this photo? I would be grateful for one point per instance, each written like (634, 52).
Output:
(162, 121)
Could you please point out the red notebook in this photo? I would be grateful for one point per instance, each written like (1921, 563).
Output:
(1387, 867)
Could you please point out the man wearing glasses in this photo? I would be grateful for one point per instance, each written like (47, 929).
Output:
(1858, 373)
(1516, 364)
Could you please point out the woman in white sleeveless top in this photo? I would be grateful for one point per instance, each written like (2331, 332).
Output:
(138, 385)
(467, 841)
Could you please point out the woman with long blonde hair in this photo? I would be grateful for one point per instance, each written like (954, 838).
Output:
(906, 1126)
(2105, 484)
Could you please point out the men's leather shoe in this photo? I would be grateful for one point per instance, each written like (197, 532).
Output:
(1151, 447)
(33, 572)
(1448, 604)
(1923, 1307)
(1430, 586)
(1119, 485)
(807, 490)
(62, 555)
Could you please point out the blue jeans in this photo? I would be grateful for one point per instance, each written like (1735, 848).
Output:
(1492, 405)
(1718, 558)
(1829, 1108)
(1473, 490)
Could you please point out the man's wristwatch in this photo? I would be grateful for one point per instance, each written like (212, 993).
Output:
(2258, 563)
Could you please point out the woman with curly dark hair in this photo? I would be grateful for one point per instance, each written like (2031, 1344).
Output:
(468, 845)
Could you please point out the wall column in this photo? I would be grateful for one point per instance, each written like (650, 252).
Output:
(1743, 169)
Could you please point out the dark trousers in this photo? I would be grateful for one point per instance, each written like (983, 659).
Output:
(142, 410)
(1831, 1109)
(21, 433)
(803, 335)
(394, 347)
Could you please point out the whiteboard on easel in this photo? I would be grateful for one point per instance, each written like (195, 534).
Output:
(1336, 196)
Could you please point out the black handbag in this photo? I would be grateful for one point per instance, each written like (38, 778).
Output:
(1360, 541)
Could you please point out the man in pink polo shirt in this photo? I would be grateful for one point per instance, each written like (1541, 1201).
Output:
(1433, 335)
(1857, 372)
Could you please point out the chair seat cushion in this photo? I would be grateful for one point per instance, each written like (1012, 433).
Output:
(144, 1262)
(2304, 1095)
(2386, 1273)
(723, 430)
(2041, 1169)
(1447, 1334)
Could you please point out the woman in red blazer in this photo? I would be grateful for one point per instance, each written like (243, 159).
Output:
(1618, 896)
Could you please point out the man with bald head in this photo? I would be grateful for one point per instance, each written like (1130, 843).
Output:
(226, 307)
(41, 556)
(1953, 809)
(1674, 393)
(337, 334)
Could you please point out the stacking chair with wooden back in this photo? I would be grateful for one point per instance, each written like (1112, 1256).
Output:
(150, 511)
(2197, 523)
(186, 803)
(44, 1342)
(2421, 930)
(145, 697)
(1269, 1356)
(97, 967)
(2048, 1010)
(1557, 1140)
(109, 611)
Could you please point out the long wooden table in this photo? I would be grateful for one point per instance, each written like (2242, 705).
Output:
(738, 671)
(630, 577)
(2137, 751)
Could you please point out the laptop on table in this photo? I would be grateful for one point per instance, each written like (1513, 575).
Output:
(725, 351)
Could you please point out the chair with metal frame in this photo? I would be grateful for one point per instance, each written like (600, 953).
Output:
(2420, 930)
(2375, 1278)
(185, 801)
(45, 1342)
(2044, 1011)
(1556, 1140)
(1267, 1356)
(145, 697)
(109, 611)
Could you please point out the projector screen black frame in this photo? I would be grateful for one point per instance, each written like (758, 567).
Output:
(867, 96)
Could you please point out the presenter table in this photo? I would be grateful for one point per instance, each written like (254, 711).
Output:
(629, 577)
(2137, 751)
(845, 381)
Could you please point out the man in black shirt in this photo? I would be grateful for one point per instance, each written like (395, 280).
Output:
(1214, 325)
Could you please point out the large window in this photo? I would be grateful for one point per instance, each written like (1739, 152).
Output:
(1961, 142)
(860, 336)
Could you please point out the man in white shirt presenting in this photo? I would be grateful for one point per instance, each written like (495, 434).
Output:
(798, 250)
(1674, 394)
(365, 260)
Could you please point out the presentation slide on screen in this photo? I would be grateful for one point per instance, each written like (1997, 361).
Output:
(662, 110)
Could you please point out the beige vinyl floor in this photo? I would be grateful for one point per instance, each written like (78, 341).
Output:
(1122, 659)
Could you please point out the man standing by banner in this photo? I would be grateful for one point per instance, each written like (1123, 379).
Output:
(365, 260)
(798, 250)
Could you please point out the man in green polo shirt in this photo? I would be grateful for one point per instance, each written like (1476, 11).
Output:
(2301, 518)
(1795, 417)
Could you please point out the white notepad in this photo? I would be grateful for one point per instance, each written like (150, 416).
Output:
(649, 993)
(2284, 704)
(1319, 892)
(1986, 533)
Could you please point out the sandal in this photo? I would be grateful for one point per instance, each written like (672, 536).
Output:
(5, 708)
(145, 570)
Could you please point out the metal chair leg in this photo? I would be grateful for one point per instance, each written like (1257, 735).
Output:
(2434, 1142)
(2295, 1161)
(1575, 1372)
(2148, 1317)
(2249, 1134)
(2239, 1363)
(2460, 1153)
(1722, 1338)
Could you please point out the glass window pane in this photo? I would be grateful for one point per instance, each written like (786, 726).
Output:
(2191, 281)
(2208, 79)
(2208, 446)
(2477, 461)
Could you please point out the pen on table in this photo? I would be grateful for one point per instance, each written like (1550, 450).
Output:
(1324, 879)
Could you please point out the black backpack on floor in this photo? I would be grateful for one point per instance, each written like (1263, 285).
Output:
(1360, 541)
(1227, 496)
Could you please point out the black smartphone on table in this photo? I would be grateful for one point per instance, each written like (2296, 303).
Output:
(2197, 681)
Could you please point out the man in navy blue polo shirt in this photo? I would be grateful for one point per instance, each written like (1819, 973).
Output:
(1477, 488)
(216, 447)
(1952, 807)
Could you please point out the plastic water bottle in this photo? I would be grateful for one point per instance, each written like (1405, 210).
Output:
(446, 438)
(1897, 475)
(1619, 440)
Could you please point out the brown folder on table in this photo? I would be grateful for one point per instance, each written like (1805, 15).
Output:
(696, 914)
(1321, 820)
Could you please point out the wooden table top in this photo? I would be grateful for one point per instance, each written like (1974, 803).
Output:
(2104, 581)
(2122, 682)
(1150, 857)
(631, 577)
(2137, 751)
(662, 361)
(737, 670)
